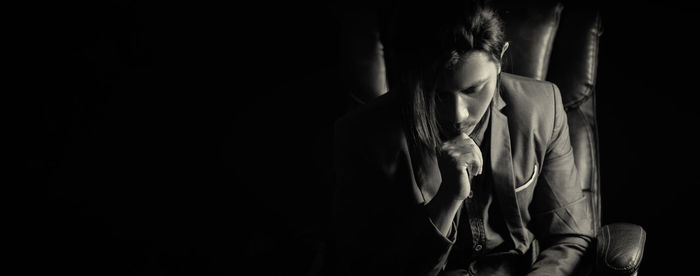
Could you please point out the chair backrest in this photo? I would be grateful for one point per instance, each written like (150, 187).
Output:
(548, 41)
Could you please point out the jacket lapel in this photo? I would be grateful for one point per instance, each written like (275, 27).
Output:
(503, 175)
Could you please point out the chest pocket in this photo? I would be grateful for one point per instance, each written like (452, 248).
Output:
(529, 182)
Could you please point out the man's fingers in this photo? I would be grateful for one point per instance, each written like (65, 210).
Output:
(478, 162)
(473, 161)
(464, 151)
(471, 156)
(475, 167)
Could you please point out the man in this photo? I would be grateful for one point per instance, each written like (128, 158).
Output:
(460, 169)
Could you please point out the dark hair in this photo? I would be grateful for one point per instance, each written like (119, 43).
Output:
(427, 41)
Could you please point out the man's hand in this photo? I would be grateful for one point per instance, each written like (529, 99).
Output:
(459, 159)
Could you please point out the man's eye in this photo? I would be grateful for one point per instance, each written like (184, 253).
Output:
(469, 90)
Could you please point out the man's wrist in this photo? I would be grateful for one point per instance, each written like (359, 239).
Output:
(444, 200)
(445, 194)
(441, 211)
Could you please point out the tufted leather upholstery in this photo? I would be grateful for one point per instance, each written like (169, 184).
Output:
(576, 44)
(559, 43)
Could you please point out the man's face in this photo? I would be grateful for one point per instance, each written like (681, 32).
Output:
(464, 94)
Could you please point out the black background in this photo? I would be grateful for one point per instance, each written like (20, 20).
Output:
(161, 138)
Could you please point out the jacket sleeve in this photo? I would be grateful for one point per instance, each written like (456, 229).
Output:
(561, 217)
(378, 228)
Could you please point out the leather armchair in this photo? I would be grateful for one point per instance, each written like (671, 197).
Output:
(548, 41)
(560, 44)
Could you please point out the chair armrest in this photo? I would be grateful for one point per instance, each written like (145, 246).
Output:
(619, 248)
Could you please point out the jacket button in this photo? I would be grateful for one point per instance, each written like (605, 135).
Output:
(477, 247)
(471, 194)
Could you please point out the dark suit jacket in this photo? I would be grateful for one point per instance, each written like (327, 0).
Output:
(380, 222)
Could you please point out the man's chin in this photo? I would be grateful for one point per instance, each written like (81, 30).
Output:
(454, 133)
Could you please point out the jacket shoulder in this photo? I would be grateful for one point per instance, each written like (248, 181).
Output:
(520, 86)
(527, 93)
(530, 103)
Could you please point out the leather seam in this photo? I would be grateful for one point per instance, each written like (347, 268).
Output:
(635, 260)
(577, 101)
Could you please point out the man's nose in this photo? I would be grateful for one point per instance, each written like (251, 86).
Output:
(458, 110)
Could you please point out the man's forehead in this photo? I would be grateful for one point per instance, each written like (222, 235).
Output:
(475, 69)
